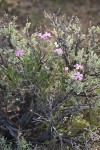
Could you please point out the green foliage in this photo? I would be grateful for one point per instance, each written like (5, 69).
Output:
(3, 145)
(22, 145)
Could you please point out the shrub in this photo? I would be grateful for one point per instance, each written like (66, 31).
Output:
(50, 79)
(3, 145)
(22, 145)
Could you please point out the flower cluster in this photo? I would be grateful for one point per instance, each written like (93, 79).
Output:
(45, 35)
(19, 53)
(78, 66)
(59, 51)
(77, 75)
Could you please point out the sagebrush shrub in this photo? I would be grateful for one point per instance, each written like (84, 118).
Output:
(56, 73)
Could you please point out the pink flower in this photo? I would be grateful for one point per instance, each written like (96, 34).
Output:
(19, 53)
(78, 66)
(78, 76)
(58, 51)
(42, 36)
(45, 35)
(66, 68)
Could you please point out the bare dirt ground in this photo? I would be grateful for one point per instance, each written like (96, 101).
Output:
(86, 10)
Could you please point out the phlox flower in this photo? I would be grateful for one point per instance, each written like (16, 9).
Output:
(45, 35)
(66, 68)
(78, 66)
(78, 76)
(58, 51)
(19, 52)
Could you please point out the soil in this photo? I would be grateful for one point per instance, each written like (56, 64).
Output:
(86, 11)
